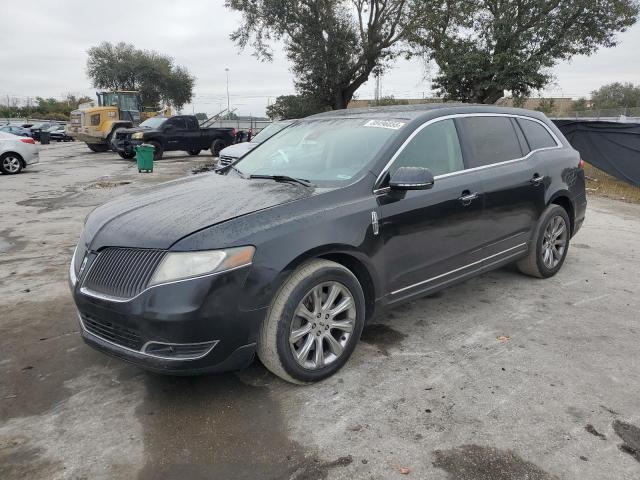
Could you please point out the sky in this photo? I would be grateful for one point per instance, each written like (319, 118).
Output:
(44, 44)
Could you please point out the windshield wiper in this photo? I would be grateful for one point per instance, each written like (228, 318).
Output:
(284, 178)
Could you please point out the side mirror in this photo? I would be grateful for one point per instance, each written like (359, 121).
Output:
(411, 178)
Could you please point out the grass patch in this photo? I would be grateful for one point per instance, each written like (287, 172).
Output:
(602, 184)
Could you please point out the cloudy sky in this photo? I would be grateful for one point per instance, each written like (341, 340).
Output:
(44, 43)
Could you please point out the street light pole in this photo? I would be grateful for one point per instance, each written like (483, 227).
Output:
(228, 111)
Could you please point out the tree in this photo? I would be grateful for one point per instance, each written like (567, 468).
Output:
(485, 47)
(201, 117)
(616, 95)
(390, 100)
(546, 106)
(121, 66)
(43, 108)
(579, 105)
(333, 45)
(294, 106)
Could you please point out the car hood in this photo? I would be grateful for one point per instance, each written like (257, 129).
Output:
(238, 150)
(159, 216)
(134, 130)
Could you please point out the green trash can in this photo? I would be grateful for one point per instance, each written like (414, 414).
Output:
(144, 157)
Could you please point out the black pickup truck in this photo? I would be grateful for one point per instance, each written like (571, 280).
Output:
(182, 132)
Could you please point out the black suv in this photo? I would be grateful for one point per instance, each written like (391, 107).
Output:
(296, 246)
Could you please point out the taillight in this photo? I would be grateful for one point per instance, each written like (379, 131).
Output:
(28, 140)
(581, 164)
(233, 132)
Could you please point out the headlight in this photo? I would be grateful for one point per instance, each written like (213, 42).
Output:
(72, 267)
(137, 136)
(182, 265)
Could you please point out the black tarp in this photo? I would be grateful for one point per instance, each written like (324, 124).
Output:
(610, 146)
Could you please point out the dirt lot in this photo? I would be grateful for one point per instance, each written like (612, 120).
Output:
(502, 377)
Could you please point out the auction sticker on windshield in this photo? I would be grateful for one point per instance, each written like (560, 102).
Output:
(391, 124)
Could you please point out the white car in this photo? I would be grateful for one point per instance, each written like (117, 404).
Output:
(16, 153)
(234, 152)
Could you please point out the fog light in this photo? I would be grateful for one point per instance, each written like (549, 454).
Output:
(179, 351)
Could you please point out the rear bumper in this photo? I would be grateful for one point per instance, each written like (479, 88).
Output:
(580, 205)
(205, 309)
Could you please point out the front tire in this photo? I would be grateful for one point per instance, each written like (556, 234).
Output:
(216, 146)
(549, 245)
(10, 163)
(98, 147)
(158, 151)
(314, 323)
(193, 153)
(127, 155)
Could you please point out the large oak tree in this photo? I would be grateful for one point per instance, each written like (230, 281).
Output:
(333, 45)
(484, 47)
(121, 66)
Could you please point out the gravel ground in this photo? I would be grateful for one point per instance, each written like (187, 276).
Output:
(502, 377)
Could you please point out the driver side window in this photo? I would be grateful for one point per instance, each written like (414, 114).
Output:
(435, 147)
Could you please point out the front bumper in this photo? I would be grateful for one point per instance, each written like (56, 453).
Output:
(125, 145)
(205, 309)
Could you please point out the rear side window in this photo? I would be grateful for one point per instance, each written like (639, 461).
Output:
(192, 123)
(178, 123)
(537, 136)
(492, 140)
(435, 147)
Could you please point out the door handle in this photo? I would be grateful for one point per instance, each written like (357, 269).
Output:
(468, 197)
(537, 179)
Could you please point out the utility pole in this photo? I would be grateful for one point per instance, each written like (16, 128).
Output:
(377, 92)
(228, 110)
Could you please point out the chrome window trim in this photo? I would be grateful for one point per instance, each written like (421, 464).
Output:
(458, 172)
(140, 352)
(395, 292)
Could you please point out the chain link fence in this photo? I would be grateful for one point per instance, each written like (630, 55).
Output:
(617, 114)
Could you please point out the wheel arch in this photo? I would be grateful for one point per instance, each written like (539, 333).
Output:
(11, 152)
(563, 199)
(119, 124)
(350, 258)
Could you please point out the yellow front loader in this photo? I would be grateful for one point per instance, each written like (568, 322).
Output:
(95, 124)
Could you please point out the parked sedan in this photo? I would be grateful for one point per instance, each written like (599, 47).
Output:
(57, 133)
(234, 152)
(15, 130)
(327, 224)
(16, 153)
(36, 129)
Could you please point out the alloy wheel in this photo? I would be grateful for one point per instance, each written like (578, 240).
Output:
(322, 325)
(554, 242)
(11, 164)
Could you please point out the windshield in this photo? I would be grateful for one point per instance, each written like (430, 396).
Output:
(268, 132)
(325, 152)
(154, 122)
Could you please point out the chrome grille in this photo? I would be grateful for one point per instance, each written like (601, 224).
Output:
(226, 160)
(122, 272)
(123, 336)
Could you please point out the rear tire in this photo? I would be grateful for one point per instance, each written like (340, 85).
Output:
(98, 147)
(288, 360)
(11, 163)
(158, 150)
(216, 146)
(127, 155)
(549, 244)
